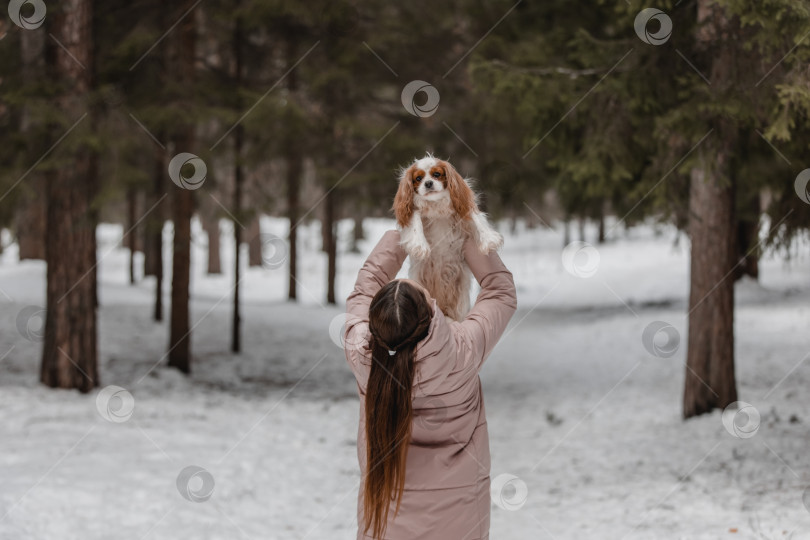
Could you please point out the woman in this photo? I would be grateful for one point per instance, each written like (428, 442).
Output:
(422, 442)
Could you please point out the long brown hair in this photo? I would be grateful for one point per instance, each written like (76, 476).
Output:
(399, 317)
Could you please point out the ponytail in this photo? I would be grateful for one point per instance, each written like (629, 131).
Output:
(388, 406)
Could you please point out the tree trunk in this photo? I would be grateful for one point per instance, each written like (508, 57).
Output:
(331, 246)
(211, 226)
(710, 356)
(255, 242)
(357, 233)
(148, 255)
(602, 224)
(294, 167)
(69, 352)
(30, 218)
(236, 331)
(179, 340)
(149, 263)
(183, 69)
(155, 230)
(566, 230)
(132, 242)
(238, 180)
(326, 234)
(710, 379)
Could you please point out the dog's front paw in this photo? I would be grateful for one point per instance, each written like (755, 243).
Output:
(490, 241)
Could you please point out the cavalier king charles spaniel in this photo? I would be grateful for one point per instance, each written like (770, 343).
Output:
(437, 210)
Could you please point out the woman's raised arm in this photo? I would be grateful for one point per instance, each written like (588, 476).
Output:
(380, 267)
(494, 307)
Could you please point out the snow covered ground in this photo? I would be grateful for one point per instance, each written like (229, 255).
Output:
(580, 412)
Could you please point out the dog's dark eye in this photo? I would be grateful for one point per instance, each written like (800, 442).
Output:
(418, 178)
(437, 175)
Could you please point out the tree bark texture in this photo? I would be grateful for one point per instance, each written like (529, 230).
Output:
(69, 352)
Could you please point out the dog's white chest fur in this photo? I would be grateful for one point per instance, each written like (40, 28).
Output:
(442, 271)
(443, 230)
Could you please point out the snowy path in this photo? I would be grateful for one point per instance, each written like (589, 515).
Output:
(578, 410)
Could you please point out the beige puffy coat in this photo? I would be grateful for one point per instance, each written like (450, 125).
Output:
(447, 473)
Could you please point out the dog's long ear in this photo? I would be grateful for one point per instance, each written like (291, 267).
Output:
(403, 201)
(461, 195)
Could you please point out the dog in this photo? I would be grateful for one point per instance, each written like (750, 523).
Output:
(436, 212)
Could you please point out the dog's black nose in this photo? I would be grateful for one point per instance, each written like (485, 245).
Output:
(429, 184)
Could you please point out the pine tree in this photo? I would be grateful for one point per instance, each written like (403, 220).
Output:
(69, 353)
(182, 64)
(669, 129)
